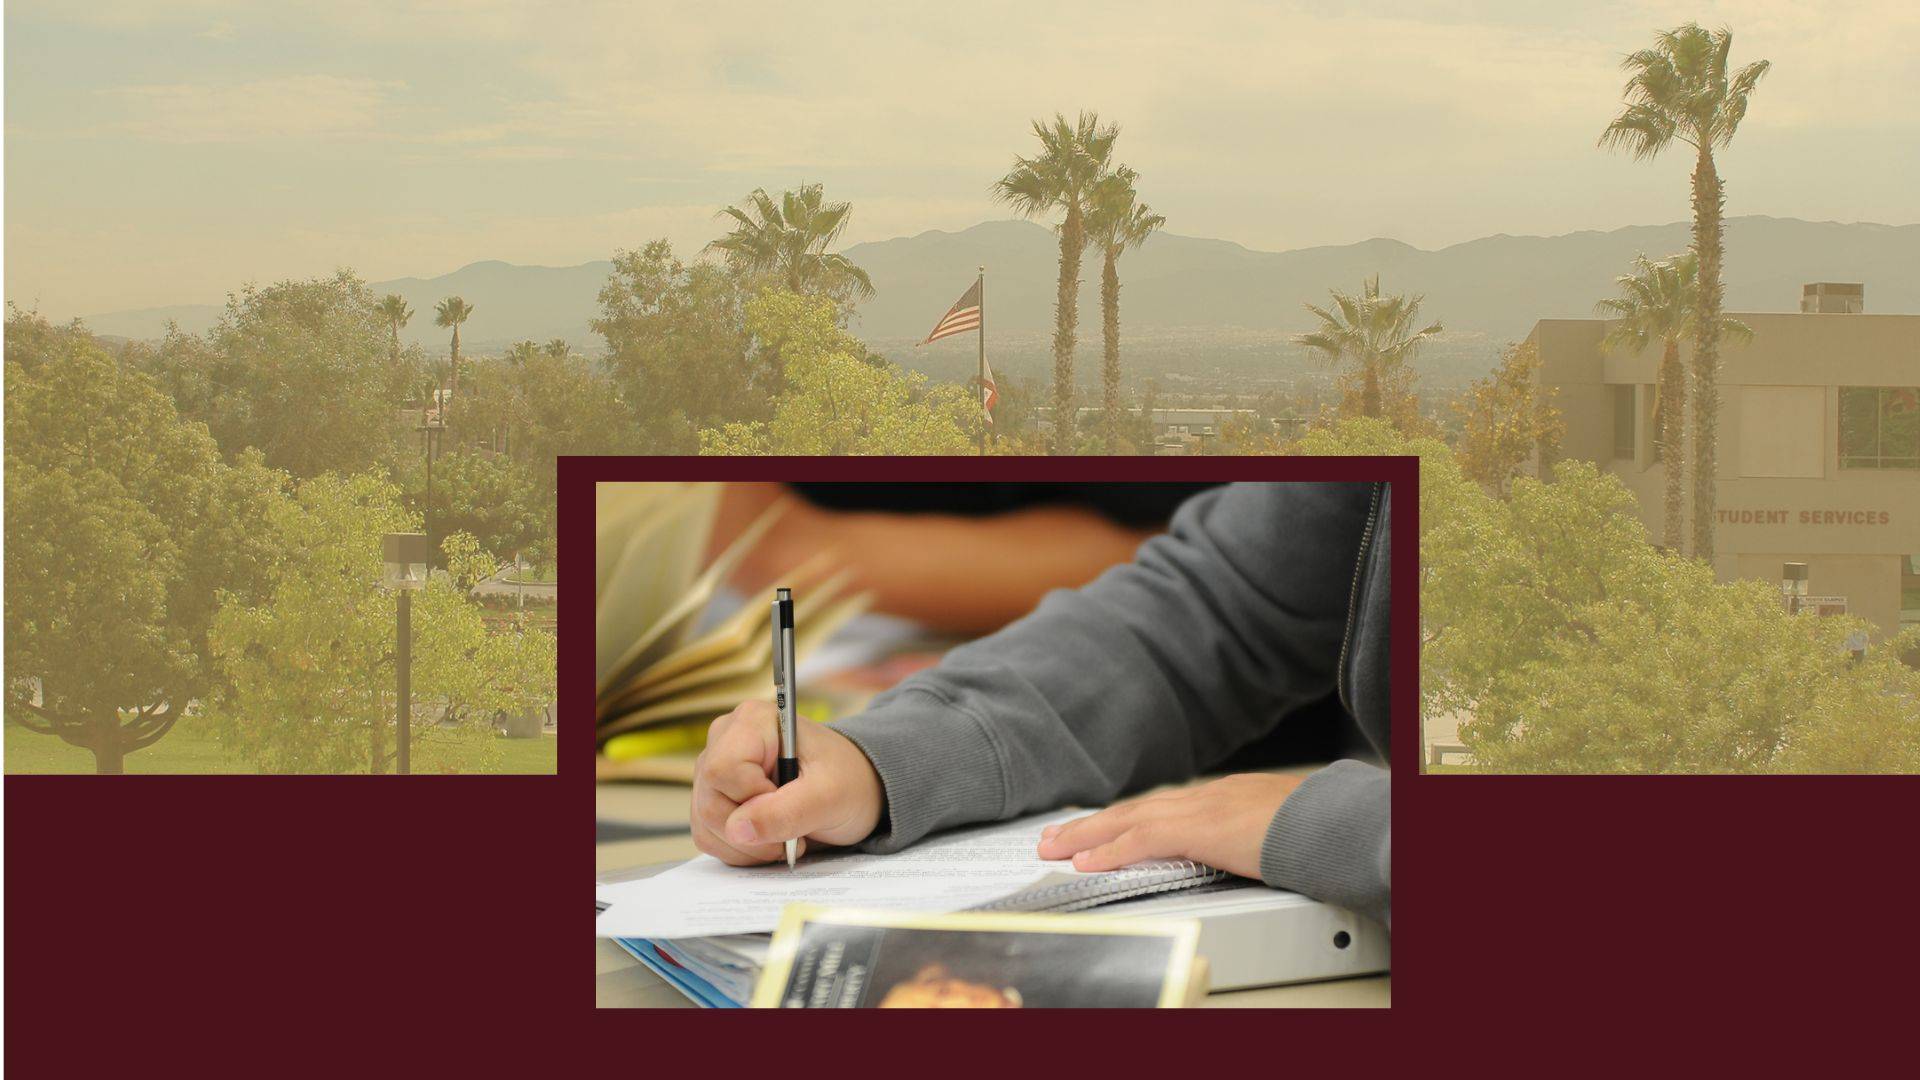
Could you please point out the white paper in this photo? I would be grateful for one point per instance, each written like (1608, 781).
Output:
(945, 872)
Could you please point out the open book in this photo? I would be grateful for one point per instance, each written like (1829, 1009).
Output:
(662, 670)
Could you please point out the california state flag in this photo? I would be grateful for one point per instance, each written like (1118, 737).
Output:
(989, 393)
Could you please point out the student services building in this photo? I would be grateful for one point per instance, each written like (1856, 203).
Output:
(1819, 444)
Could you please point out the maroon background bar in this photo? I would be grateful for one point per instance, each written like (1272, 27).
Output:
(1559, 923)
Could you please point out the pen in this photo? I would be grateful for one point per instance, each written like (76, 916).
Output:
(789, 760)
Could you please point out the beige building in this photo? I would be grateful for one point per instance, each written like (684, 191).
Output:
(1819, 444)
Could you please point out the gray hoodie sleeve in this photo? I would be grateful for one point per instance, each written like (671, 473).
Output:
(1157, 671)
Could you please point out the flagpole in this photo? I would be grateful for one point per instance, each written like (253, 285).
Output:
(986, 422)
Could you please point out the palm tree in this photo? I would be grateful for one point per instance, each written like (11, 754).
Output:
(1116, 222)
(1658, 303)
(452, 312)
(787, 239)
(1680, 90)
(394, 310)
(1073, 157)
(558, 348)
(1373, 332)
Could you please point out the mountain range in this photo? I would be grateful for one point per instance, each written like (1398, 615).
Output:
(1174, 285)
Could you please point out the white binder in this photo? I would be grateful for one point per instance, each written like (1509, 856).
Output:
(1255, 936)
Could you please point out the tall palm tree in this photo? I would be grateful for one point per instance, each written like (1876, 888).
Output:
(1116, 222)
(1073, 156)
(1374, 333)
(1658, 303)
(787, 239)
(393, 308)
(452, 312)
(1681, 90)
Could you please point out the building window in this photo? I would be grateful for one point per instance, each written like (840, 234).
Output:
(1623, 419)
(1880, 427)
(1910, 591)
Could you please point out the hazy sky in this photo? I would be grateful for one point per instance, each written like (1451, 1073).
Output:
(166, 152)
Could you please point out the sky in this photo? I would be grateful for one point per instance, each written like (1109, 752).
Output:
(169, 152)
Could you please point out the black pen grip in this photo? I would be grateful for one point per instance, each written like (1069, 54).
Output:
(788, 770)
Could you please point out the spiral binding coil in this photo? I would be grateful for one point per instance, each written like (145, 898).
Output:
(1092, 891)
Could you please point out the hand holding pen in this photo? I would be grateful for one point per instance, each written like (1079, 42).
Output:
(760, 793)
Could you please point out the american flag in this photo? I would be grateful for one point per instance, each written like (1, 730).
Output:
(963, 316)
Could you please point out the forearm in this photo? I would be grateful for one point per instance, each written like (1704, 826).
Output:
(967, 575)
(1157, 670)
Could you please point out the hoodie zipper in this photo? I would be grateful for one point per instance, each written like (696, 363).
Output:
(1353, 595)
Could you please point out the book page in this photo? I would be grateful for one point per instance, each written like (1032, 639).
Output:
(946, 872)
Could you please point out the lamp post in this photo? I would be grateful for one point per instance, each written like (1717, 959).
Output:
(406, 570)
(430, 429)
(1793, 585)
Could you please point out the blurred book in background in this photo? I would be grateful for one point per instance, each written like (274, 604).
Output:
(661, 677)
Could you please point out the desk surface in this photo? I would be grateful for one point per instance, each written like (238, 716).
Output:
(621, 981)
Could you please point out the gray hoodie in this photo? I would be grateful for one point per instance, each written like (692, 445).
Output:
(1260, 599)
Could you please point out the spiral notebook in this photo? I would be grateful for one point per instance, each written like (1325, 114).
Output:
(1065, 893)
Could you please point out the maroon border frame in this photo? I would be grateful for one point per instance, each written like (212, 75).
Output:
(577, 475)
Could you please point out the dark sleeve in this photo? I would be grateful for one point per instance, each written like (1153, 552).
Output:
(1331, 839)
(1154, 672)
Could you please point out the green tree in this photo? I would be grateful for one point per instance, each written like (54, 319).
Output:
(785, 241)
(299, 370)
(502, 505)
(1074, 156)
(394, 309)
(1508, 417)
(552, 404)
(836, 400)
(1140, 430)
(1658, 303)
(677, 347)
(1116, 223)
(1683, 90)
(1375, 334)
(1575, 646)
(122, 526)
(310, 666)
(451, 312)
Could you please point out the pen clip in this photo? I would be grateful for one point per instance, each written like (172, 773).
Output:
(779, 661)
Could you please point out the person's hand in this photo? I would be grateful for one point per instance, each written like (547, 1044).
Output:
(1220, 824)
(740, 817)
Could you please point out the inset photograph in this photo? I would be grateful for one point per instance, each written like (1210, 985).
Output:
(1168, 703)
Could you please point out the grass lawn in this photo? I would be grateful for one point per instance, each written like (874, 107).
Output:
(191, 748)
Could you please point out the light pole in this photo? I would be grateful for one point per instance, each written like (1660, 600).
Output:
(430, 428)
(1793, 585)
(406, 570)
